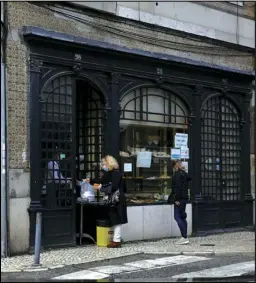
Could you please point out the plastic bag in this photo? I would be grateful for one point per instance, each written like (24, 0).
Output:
(87, 192)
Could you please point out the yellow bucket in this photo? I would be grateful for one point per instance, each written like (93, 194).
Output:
(104, 235)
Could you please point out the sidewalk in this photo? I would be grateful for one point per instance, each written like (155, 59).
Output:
(238, 242)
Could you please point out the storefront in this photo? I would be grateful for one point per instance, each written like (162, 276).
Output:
(90, 99)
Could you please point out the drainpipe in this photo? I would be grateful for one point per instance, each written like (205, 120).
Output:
(254, 91)
(3, 137)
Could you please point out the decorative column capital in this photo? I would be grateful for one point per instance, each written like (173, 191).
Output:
(115, 78)
(77, 68)
(198, 89)
(35, 65)
(159, 80)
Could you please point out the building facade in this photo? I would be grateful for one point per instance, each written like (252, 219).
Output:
(90, 79)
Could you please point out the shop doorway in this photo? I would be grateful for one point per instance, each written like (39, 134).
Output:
(71, 147)
(89, 130)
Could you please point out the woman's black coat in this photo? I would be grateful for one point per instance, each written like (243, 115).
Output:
(118, 213)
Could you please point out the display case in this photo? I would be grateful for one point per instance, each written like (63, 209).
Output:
(148, 180)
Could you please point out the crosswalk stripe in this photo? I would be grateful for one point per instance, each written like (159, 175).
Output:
(165, 261)
(114, 269)
(102, 272)
(84, 274)
(236, 269)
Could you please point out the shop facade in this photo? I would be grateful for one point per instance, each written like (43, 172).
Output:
(89, 99)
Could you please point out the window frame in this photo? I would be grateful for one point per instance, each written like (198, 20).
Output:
(238, 3)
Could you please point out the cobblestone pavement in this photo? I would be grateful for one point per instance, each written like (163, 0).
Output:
(221, 243)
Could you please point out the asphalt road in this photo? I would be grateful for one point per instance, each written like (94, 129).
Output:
(153, 274)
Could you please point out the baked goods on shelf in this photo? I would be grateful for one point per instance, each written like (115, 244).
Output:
(152, 198)
(124, 154)
(160, 154)
(164, 177)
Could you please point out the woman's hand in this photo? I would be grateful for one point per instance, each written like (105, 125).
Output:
(177, 203)
(97, 187)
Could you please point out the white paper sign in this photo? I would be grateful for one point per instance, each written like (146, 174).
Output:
(144, 159)
(175, 153)
(127, 167)
(181, 140)
(184, 153)
(185, 165)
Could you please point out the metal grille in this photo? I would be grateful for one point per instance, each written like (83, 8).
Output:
(90, 136)
(220, 150)
(56, 143)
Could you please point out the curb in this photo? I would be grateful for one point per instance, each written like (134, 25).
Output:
(191, 253)
(46, 268)
(235, 252)
(35, 269)
(182, 253)
(161, 253)
(205, 253)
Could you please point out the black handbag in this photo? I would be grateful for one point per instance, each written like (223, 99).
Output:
(171, 198)
(113, 197)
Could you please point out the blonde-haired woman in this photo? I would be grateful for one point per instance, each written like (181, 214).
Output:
(110, 183)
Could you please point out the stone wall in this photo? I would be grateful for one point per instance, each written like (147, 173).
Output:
(225, 21)
(26, 14)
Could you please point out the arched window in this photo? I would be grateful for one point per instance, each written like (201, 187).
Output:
(150, 119)
(153, 106)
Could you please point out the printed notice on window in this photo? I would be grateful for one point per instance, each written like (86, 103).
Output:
(181, 140)
(127, 167)
(175, 153)
(184, 153)
(144, 159)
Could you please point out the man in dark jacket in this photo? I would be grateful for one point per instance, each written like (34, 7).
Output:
(180, 195)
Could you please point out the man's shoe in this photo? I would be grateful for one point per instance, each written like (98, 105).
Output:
(114, 245)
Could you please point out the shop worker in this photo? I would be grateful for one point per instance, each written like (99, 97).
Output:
(112, 183)
(180, 197)
(54, 174)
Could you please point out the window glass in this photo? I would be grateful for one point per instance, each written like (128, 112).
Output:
(150, 120)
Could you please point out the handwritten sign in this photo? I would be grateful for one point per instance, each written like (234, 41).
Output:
(184, 153)
(181, 140)
(144, 159)
(127, 167)
(175, 153)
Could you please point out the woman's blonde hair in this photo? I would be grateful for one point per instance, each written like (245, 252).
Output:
(110, 162)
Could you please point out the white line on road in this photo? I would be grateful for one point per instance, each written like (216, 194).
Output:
(102, 272)
(165, 261)
(237, 269)
(114, 269)
(84, 274)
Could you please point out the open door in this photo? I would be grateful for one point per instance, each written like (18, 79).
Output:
(58, 161)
